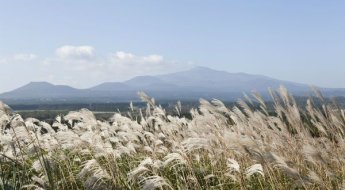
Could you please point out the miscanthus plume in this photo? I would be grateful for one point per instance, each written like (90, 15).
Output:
(248, 146)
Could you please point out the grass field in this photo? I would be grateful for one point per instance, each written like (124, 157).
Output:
(289, 147)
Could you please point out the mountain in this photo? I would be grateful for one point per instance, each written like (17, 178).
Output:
(111, 86)
(41, 90)
(199, 82)
(205, 78)
(150, 83)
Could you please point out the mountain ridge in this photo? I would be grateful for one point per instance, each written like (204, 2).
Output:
(198, 82)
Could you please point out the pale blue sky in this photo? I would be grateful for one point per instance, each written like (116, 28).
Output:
(85, 42)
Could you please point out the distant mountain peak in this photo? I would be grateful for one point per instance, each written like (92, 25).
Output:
(142, 80)
(36, 85)
(190, 84)
(40, 83)
(203, 69)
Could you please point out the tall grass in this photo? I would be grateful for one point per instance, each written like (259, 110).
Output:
(219, 148)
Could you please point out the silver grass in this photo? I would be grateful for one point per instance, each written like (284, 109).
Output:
(137, 173)
(31, 186)
(174, 159)
(16, 120)
(159, 112)
(148, 149)
(6, 139)
(93, 174)
(246, 108)
(67, 139)
(220, 107)
(280, 163)
(131, 106)
(254, 169)
(59, 126)
(146, 162)
(178, 108)
(83, 115)
(47, 127)
(131, 147)
(21, 133)
(209, 176)
(144, 97)
(154, 182)
(5, 108)
(168, 141)
(4, 120)
(122, 150)
(192, 144)
(161, 136)
(232, 165)
(161, 150)
(39, 180)
(158, 143)
(37, 165)
(314, 177)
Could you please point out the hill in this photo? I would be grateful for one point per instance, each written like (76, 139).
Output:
(186, 85)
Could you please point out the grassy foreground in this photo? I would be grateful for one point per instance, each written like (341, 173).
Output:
(219, 148)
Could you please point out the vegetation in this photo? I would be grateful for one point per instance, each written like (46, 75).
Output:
(216, 148)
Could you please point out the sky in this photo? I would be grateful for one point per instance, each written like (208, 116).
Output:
(82, 43)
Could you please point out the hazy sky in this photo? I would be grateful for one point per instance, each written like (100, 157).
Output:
(85, 42)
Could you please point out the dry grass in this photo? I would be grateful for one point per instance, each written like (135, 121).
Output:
(219, 148)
